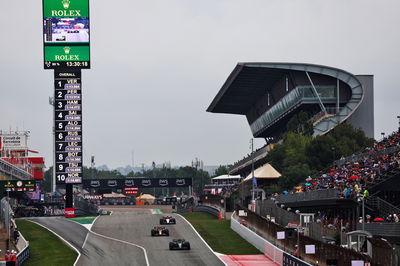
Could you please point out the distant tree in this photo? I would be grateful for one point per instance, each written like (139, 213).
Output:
(344, 140)
(301, 155)
(221, 170)
(294, 174)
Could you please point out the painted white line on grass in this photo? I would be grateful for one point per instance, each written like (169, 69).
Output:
(114, 239)
(202, 239)
(69, 244)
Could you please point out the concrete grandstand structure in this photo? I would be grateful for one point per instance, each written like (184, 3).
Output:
(269, 94)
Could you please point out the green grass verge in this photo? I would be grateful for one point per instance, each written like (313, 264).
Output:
(83, 220)
(45, 248)
(219, 235)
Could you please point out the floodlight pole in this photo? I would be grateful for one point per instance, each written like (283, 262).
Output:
(252, 167)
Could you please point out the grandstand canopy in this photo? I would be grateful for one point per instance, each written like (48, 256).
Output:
(244, 86)
(225, 177)
(270, 94)
(264, 172)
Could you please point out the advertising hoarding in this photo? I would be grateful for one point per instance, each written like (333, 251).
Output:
(18, 185)
(13, 141)
(66, 34)
(136, 183)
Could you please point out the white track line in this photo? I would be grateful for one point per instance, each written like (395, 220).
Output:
(201, 238)
(69, 244)
(128, 243)
(115, 239)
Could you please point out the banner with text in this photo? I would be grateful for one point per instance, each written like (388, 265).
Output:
(137, 183)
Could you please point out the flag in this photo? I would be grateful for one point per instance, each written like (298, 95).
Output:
(254, 181)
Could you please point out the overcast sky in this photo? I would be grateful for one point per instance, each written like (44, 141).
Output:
(157, 65)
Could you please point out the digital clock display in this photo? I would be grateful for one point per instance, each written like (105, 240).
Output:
(82, 64)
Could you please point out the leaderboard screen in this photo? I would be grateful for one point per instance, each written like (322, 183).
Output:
(68, 126)
(66, 34)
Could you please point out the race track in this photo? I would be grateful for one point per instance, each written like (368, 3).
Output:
(119, 239)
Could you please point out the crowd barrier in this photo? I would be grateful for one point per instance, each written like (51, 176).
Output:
(24, 254)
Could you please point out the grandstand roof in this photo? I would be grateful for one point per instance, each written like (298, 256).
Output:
(264, 172)
(224, 177)
(248, 87)
(249, 81)
(243, 87)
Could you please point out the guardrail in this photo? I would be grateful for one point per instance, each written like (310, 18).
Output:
(23, 254)
(382, 229)
(309, 195)
(258, 154)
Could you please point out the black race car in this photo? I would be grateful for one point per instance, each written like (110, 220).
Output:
(179, 244)
(159, 231)
(167, 220)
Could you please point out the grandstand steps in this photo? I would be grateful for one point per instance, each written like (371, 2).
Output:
(383, 180)
(382, 207)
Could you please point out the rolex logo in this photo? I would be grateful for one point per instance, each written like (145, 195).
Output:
(67, 49)
(66, 3)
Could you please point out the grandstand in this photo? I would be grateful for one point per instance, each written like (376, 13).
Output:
(270, 94)
(9, 171)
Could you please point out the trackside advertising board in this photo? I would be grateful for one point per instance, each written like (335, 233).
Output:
(136, 183)
(66, 34)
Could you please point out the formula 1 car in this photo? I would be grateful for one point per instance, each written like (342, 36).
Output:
(179, 244)
(167, 220)
(159, 231)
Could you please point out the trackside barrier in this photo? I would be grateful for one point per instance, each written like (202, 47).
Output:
(23, 255)
(209, 209)
(268, 249)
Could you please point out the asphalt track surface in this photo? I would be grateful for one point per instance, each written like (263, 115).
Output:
(113, 239)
